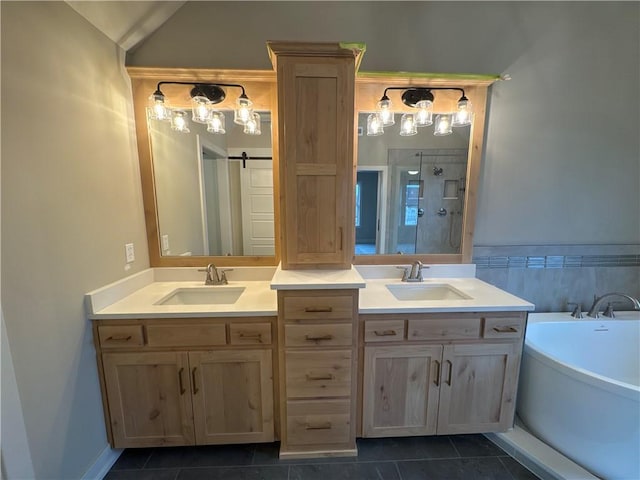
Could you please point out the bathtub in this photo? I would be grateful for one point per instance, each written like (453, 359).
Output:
(580, 390)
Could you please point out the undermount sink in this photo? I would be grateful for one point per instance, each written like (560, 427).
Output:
(431, 291)
(202, 296)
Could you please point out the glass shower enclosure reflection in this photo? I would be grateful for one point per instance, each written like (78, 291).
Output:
(427, 200)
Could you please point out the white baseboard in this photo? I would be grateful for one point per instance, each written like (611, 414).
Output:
(103, 464)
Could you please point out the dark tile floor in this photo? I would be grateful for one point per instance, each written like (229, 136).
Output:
(455, 457)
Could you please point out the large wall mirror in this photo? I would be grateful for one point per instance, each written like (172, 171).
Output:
(208, 189)
(415, 190)
(209, 197)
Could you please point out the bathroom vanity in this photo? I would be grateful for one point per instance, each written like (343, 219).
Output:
(312, 358)
(316, 351)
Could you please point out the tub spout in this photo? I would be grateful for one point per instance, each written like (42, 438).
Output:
(595, 308)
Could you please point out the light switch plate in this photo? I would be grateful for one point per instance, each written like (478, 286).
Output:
(130, 254)
(165, 242)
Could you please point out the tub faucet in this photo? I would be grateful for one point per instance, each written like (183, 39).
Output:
(593, 311)
(215, 276)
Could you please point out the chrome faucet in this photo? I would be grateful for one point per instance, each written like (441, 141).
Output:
(413, 273)
(215, 276)
(593, 311)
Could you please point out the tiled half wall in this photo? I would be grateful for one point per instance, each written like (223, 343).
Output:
(551, 276)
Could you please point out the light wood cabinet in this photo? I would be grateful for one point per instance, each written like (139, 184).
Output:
(316, 131)
(171, 391)
(149, 398)
(453, 373)
(317, 335)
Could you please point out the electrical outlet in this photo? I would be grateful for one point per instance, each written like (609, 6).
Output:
(130, 254)
(165, 243)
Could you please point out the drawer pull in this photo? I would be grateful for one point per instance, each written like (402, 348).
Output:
(318, 426)
(505, 330)
(250, 335)
(312, 338)
(436, 377)
(182, 389)
(318, 309)
(385, 333)
(193, 378)
(119, 338)
(319, 377)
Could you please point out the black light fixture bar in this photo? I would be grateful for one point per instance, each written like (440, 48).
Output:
(212, 91)
(414, 94)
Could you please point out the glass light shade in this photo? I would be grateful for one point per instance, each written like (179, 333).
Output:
(242, 113)
(374, 125)
(384, 110)
(408, 125)
(463, 116)
(158, 109)
(443, 124)
(424, 115)
(179, 121)
(252, 127)
(201, 109)
(216, 123)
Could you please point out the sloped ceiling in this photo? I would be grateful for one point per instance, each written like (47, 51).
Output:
(127, 23)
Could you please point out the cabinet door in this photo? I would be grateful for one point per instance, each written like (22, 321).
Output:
(316, 125)
(478, 388)
(149, 398)
(400, 393)
(232, 394)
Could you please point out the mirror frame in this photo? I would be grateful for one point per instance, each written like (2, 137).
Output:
(260, 86)
(369, 89)
(261, 89)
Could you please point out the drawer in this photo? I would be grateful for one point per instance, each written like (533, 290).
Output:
(503, 327)
(384, 330)
(250, 333)
(117, 336)
(446, 328)
(337, 307)
(186, 335)
(324, 334)
(318, 422)
(318, 374)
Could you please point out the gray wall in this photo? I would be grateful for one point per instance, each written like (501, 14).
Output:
(562, 146)
(70, 201)
(561, 165)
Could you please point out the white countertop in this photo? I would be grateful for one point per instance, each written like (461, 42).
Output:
(316, 279)
(137, 296)
(377, 298)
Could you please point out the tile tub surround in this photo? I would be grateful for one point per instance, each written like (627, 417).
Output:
(552, 276)
(462, 457)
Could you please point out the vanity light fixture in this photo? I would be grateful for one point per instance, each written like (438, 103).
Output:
(252, 127)
(420, 98)
(203, 97)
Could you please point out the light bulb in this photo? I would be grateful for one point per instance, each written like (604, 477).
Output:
(424, 115)
(158, 110)
(443, 124)
(243, 110)
(252, 127)
(464, 114)
(408, 125)
(216, 123)
(201, 109)
(179, 121)
(374, 125)
(385, 112)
